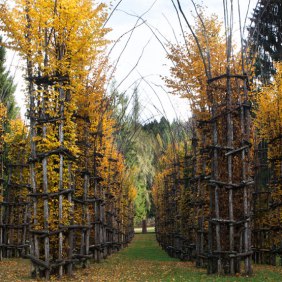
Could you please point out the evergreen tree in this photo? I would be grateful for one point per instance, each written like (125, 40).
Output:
(265, 37)
(7, 87)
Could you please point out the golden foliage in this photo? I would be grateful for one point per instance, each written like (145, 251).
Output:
(269, 126)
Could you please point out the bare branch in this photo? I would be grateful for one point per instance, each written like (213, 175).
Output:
(112, 12)
(206, 38)
(196, 39)
(134, 67)
(181, 26)
(172, 29)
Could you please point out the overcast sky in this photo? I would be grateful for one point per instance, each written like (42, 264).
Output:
(153, 63)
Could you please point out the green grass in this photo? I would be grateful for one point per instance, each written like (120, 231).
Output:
(145, 247)
(142, 261)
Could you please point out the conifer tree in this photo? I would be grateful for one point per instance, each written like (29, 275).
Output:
(7, 87)
(265, 38)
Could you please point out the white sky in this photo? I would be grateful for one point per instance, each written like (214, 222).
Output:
(153, 63)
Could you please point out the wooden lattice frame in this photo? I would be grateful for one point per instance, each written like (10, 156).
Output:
(231, 183)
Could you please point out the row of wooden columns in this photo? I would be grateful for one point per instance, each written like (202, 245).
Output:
(214, 225)
(267, 226)
(85, 216)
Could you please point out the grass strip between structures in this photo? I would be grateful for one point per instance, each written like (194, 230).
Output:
(142, 261)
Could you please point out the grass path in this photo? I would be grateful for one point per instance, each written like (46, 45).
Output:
(142, 261)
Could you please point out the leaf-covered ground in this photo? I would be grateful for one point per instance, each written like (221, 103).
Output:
(142, 261)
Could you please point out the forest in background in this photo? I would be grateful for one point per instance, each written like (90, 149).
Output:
(142, 145)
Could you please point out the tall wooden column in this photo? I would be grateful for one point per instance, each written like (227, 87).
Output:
(231, 181)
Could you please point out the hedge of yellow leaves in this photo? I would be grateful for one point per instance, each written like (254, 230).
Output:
(269, 126)
(181, 206)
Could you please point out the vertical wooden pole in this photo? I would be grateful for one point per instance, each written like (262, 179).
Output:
(245, 128)
(229, 168)
(25, 230)
(97, 205)
(216, 189)
(61, 171)
(45, 173)
(70, 235)
(97, 210)
(34, 237)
